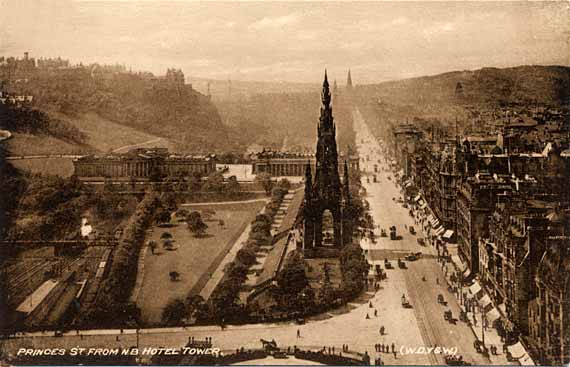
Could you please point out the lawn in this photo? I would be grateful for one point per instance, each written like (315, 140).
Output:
(192, 258)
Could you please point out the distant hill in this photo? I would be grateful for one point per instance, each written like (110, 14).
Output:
(549, 85)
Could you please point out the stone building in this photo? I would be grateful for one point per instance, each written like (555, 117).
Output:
(509, 255)
(279, 164)
(406, 139)
(142, 163)
(476, 198)
(549, 312)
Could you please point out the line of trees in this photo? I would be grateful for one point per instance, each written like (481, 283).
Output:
(225, 299)
(111, 304)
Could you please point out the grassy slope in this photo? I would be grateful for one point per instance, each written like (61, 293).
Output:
(102, 136)
(105, 135)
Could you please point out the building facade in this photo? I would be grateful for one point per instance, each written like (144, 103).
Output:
(550, 310)
(279, 164)
(142, 164)
(509, 256)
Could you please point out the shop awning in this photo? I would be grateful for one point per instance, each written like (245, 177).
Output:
(485, 301)
(475, 288)
(418, 197)
(517, 350)
(408, 184)
(434, 221)
(526, 361)
(493, 315)
(430, 218)
(448, 234)
(458, 263)
(439, 231)
(467, 272)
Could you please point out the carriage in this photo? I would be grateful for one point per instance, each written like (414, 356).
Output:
(406, 303)
(455, 361)
(440, 299)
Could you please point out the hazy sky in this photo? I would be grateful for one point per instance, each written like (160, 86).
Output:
(290, 41)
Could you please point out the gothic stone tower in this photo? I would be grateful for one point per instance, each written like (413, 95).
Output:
(325, 191)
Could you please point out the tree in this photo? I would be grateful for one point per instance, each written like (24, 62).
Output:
(168, 199)
(292, 279)
(285, 184)
(246, 256)
(293, 291)
(264, 179)
(232, 186)
(174, 312)
(162, 216)
(182, 214)
(195, 224)
(214, 182)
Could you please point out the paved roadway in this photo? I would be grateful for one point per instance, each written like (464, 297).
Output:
(435, 331)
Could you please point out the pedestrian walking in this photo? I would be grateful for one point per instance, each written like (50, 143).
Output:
(375, 313)
(298, 333)
(393, 348)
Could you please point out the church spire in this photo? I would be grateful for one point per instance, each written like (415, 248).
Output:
(349, 81)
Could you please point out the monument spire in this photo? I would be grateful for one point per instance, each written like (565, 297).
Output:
(326, 93)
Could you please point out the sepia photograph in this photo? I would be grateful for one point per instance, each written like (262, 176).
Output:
(340, 183)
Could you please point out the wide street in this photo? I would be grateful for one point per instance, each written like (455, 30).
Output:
(357, 324)
(386, 211)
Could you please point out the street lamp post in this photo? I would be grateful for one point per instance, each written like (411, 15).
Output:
(483, 325)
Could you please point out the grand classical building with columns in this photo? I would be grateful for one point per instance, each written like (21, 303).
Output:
(292, 164)
(142, 163)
